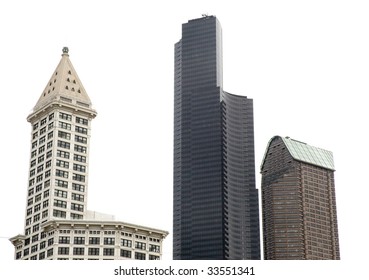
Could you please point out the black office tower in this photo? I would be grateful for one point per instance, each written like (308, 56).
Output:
(216, 211)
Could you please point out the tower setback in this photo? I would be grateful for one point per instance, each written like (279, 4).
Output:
(215, 200)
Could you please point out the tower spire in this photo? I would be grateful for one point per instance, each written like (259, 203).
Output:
(64, 88)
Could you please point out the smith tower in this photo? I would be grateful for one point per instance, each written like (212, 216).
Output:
(58, 225)
(215, 199)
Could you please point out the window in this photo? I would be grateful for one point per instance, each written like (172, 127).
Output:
(61, 183)
(46, 193)
(61, 173)
(43, 121)
(32, 173)
(60, 203)
(80, 149)
(30, 201)
(78, 251)
(31, 182)
(35, 126)
(126, 243)
(79, 158)
(59, 214)
(39, 178)
(40, 159)
(40, 168)
(79, 167)
(45, 204)
(49, 154)
(64, 125)
(81, 130)
(62, 163)
(43, 130)
(35, 135)
(29, 211)
(80, 139)
(140, 256)
(79, 240)
(51, 116)
(31, 192)
(65, 116)
(125, 253)
(153, 257)
(64, 239)
(48, 164)
(33, 154)
(50, 252)
(35, 238)
(26, 252)
(81, 121)
(64, 135)
(108, 251)
(41, 149)
(42, 140)
(78, 187)
(47, 173)
(34, 144)
(76, 216)
(78, 177)
(140, 245)
(154, 248)
(93, 251)
(45, 214)
(78, 197)
(42, 245)
(63, 251)
(50, 135)
(37, 197)
(33, 163)
(109, 241)
(62, 154)
(77, 207)
(94, 240)
(63, 144)
(37, 208)
(50, 126)
(60, 193)
(41, 256)
(38, 188)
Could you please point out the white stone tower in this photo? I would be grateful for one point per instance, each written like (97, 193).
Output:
(57, 223)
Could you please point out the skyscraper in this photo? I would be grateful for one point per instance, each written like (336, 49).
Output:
(298, 202)
(215, 199)
(57, 222)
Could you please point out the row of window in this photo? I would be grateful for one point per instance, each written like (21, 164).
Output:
(68, 126)
(81, 251)
(63, 116)
(106, 252)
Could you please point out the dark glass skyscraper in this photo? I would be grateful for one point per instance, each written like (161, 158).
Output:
(216, 212)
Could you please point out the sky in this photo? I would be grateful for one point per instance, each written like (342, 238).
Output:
(304, 63)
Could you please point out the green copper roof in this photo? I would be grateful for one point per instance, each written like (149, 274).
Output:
(309, 154)
(305, 153)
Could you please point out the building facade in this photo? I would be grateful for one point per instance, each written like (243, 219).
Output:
(298, 202)
(58, 181)
(215, 203)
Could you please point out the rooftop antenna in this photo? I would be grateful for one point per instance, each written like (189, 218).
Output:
(205, 15)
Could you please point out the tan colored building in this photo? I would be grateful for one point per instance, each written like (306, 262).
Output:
(298, 202)
(57, 222)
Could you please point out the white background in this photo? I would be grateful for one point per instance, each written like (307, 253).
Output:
(304, 63)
